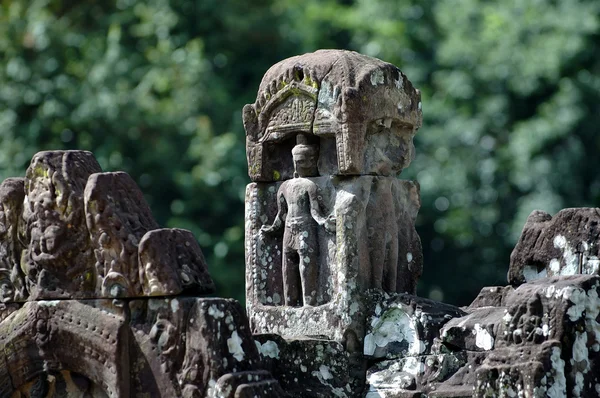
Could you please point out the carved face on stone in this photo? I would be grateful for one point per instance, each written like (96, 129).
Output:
(305, 160)
(389, 147)
(54, 221)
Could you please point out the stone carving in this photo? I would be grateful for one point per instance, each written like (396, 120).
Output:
(97, 301)
(81, 263)
(171, 263)
(58, 260)
(299, 212)
(543, 340)
(68, 230)
(12, 282)
(363, 332)
(364, 111)
(326, 138)
(349, 225)
(116, 224)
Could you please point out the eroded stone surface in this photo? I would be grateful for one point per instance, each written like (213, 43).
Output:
(171, 263)
(310, 367)
(88, 338)
(12, 279)
(70, 231)
(117, 218)
(544, 341)
(364, 113)
(58, 261)
(88, 240)
(566, 244)
(357, 257)
(184, 345)
(326, 217)
(402, 325)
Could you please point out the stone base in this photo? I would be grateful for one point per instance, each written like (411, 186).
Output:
(159, 347)
(312, 367)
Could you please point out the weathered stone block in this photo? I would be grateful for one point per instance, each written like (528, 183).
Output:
(311, 367)
(58, 261)
(12, 279)
(171, 263)
(404, 325)
(473, 332)
(491, 296)
(374, 245)
(566, 244)
(117, 218)
(363, 111)
(43, 339)
(69, 231)
(249, 384)
(412, 376)
(184, 345)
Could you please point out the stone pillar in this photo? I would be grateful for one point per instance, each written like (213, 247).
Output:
(326, 217)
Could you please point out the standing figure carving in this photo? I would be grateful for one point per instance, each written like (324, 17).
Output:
(299, 212)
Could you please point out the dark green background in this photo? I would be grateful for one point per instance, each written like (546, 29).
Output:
(511, 104)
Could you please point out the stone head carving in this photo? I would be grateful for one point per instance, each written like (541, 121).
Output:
(363, 112)
(59, 255)
(305, 158)
(68, 230)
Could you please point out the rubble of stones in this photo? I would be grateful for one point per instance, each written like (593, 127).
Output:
(98, 301)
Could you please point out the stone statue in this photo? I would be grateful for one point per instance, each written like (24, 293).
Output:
(298, 204)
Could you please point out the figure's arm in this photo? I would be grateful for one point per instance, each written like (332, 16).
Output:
(281, 213)
(315, 211)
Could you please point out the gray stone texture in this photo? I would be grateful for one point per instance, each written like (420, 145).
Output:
(95, 297)
(566, 244)
(354, 104)
(326, 217)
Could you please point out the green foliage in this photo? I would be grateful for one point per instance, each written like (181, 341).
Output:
(510, 96)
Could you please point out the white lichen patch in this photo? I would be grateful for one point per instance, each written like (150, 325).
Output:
(560, 242)
(234, 345)
(325, 372)
(394, 326)
(268, 349)
(483, 338)
(399, 83)
(174, 305)
(215, 312)
(413, 365)
(377, 77)
(578, 298)
(50, 303)
(530, 273)
(555, 266)
(558, 385)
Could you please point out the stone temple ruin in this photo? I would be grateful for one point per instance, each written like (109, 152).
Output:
(98, 301)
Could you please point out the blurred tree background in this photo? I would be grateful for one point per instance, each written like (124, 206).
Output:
(511, 94)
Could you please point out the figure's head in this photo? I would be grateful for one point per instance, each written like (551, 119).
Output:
(305, 158)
